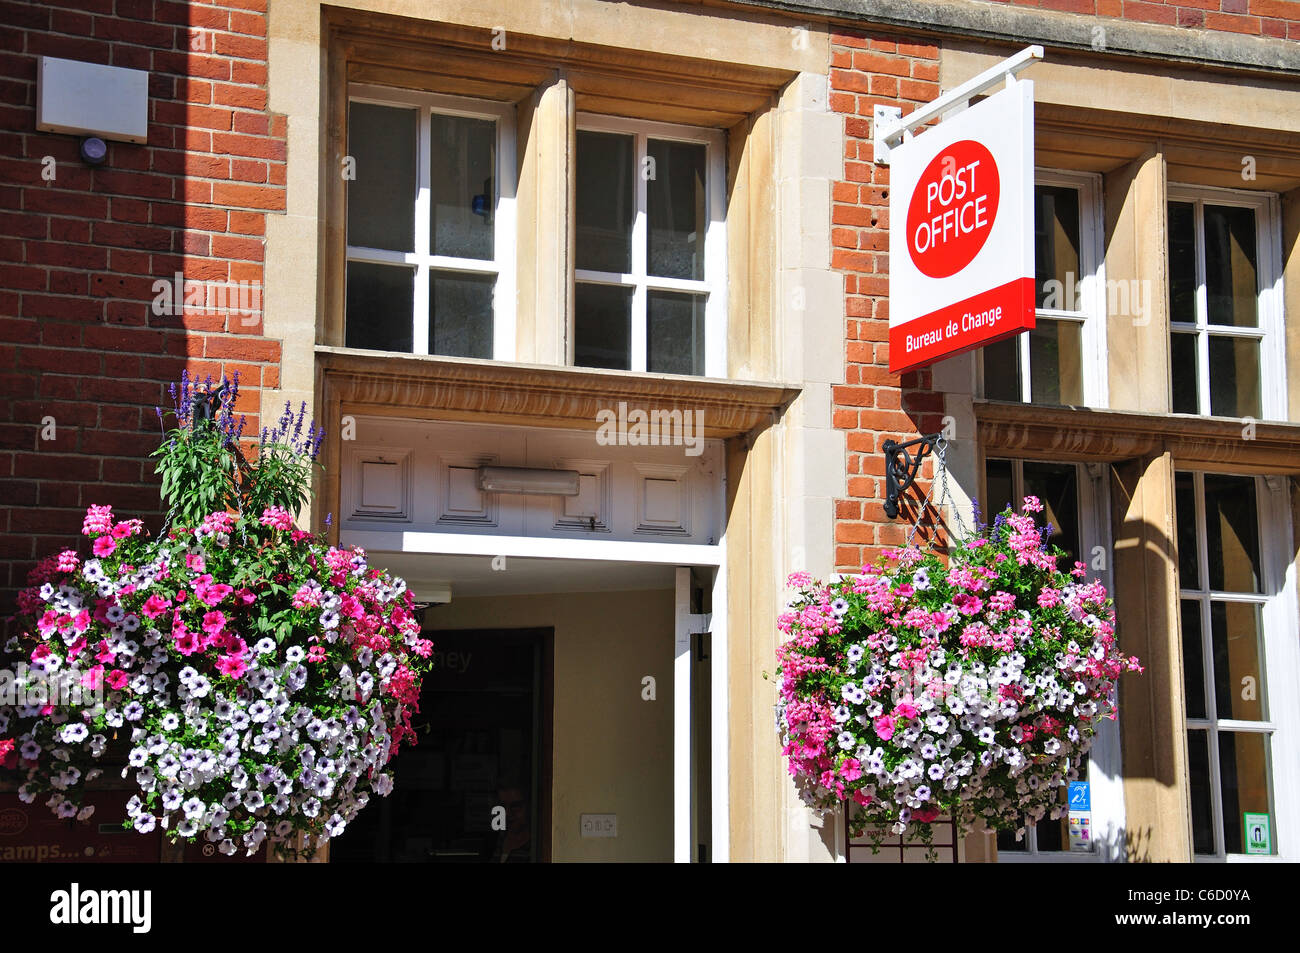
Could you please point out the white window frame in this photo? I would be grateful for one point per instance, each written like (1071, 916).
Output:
(503, 221)
(1280, 662)
(715, 241)
(1090, 289)
(1105, 773)
(1268, 255)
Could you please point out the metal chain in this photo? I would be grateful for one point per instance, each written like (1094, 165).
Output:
(945, 495)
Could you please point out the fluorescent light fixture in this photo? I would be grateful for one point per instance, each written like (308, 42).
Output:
(529, 480)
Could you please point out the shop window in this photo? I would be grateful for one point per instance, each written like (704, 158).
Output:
(430, 224)
(1225, 339)
(650, 250)
(1226, 613)
(1073, 497)
(1062, 360)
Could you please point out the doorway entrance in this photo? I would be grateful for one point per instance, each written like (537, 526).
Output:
(476, 788)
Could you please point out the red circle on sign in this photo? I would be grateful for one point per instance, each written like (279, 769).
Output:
(953, 208)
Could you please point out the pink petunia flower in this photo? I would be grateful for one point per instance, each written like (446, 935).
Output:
(104, 546)
(232, 665)
(155, 606)
(214, 622)
(967, 604)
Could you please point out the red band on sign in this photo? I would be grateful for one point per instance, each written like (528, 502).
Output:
(983, 319)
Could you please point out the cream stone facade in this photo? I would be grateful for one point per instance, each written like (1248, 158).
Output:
(762, 80)
(672, 766)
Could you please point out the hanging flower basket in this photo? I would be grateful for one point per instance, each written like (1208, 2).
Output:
(969, 687)
(263, 678)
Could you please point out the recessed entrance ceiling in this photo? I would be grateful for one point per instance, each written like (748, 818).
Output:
(429, 575)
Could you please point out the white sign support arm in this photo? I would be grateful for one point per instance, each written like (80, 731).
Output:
(889, 127)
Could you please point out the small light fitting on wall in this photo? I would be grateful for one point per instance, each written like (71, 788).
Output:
(93, 150)
(529, 480)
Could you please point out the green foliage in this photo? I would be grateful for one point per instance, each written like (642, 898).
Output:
(204, 469)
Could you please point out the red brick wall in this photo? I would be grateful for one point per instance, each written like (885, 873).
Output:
(79, 341)
(870, 404)
(1276, 18)
(874, 405)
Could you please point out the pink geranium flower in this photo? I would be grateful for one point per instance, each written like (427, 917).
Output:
(276, 517)
(99, 519)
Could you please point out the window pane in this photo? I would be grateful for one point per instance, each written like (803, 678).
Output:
(1056, 246)
(1193, 659)
(675, 337)
(1188, 555)
(1243, 770)
(380, 302)
(1056, 485)
(606, 201)
(1182, 262)
(1231, 277)
(1198, 775)
(1002, 370)
(1008, 844)
(1182, 367)
(677, 207)
(603, 326)
(999, 486)
(1054, 834)
(460, 314)
(1056, 362)
(1238, 661)
(462, 164)
(1234, 377)
(1232, 533)
(381, 199)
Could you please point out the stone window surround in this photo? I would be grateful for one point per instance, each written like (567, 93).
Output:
(548, 88)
